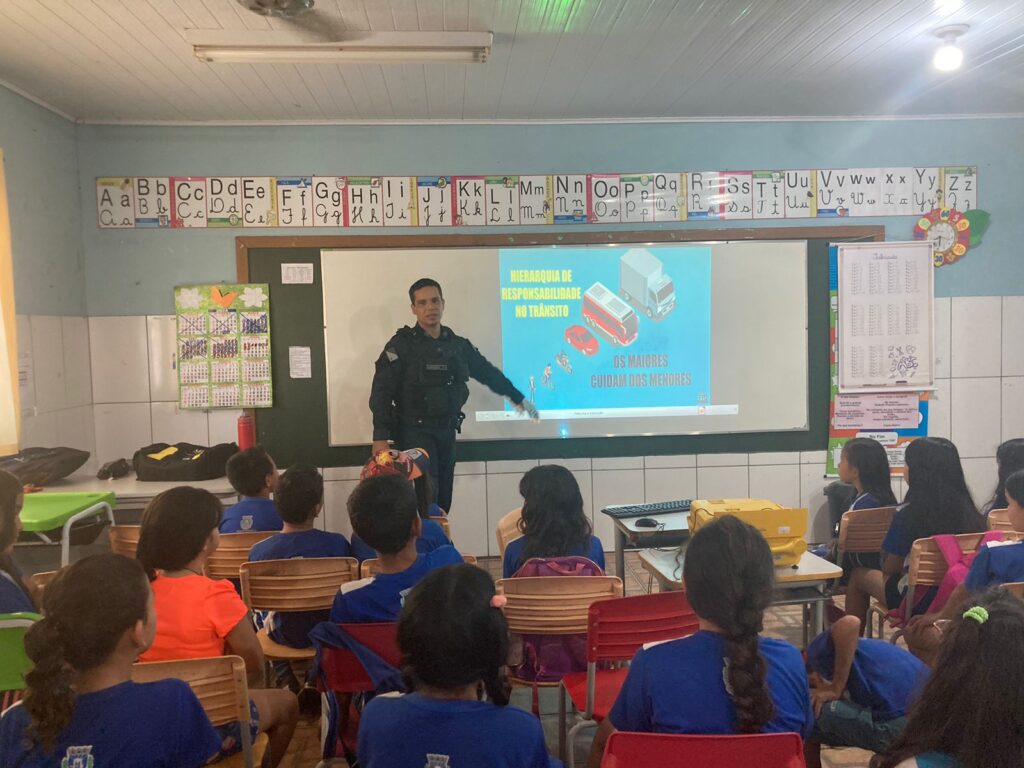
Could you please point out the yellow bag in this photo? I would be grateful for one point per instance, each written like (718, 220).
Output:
(785, 529)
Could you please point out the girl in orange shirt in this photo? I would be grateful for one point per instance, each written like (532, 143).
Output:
(200, 617)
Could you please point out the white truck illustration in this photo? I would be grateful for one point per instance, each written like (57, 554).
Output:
(644, 284)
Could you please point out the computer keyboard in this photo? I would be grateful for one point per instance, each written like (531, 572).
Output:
(640, 510)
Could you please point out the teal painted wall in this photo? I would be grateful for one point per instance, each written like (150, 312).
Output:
(132, 271)
(41, 169)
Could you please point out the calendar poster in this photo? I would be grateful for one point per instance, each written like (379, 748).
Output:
(223, 346)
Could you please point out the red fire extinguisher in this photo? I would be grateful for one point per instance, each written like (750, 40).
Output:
(246, 430)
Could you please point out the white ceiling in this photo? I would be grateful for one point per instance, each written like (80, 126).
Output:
(129, 60)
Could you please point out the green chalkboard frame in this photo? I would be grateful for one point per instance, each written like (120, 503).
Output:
(296, 428)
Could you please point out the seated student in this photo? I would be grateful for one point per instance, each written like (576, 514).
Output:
(937, 501)
(454, 643)
(200, 617)
(1009, 459)
(16, 594)
(864, 464)
(383, 513)
(413, 464)
(253, 474)
(726, 678)
(299, 498)
(971, 711)
(996, 563)
(81, 706)
(860, 689)
(553, 521)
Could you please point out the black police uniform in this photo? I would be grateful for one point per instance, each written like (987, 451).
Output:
(419, 388)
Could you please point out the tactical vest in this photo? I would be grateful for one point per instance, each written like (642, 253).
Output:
(434, 381)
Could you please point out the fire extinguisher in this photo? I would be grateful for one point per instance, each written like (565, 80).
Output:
(246, 430)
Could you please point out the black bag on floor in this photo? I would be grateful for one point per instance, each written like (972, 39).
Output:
(41, 466)
(182, 461)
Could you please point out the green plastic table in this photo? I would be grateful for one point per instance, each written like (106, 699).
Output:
(48, 511)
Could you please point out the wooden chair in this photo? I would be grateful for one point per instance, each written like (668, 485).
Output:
(615, 630)
(928, 566)
(861, 531)
(233, 550)
(999, 520)
(371, 566)
(442, 520)
(552, 605)
(124, 539)
(299, 584)
(508, 529)
(673, 750)
(1015, 588)
(42, 580)
(219, 684)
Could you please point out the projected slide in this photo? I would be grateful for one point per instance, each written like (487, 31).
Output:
(608, 332)
(620, 339)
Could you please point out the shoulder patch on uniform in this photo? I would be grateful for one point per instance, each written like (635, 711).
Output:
(391, 354)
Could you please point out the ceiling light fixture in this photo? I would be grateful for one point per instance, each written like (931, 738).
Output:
(949, 57)
(372, 48)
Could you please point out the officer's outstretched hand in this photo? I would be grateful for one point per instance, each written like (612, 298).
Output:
(529, 409)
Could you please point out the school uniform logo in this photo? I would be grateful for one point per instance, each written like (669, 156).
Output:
(78, 757)
(246, 522)
(437, 761)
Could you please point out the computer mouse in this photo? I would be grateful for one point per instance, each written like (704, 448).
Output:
(646, 522)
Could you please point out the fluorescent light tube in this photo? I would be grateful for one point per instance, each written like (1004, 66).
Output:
(382, 47)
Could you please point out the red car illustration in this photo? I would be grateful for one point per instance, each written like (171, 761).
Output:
(582, 339)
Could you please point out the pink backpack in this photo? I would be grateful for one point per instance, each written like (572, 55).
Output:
(958, 563)
(548, 658)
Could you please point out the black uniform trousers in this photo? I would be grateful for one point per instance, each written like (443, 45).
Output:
(440, 444)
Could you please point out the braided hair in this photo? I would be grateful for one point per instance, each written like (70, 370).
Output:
(89, 606)
(729, 578)
(450, 636)
(553, 522)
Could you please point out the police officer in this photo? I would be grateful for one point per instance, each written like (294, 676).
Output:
(419, 387)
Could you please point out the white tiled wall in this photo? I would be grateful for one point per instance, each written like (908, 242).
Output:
(135, 390)
(978, 402)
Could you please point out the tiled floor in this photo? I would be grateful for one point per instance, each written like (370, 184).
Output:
(782, 622)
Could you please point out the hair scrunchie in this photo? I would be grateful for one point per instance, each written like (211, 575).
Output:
(978, 613)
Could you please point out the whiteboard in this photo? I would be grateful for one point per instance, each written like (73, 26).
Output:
(886, 316)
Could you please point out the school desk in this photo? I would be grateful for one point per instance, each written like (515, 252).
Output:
(673, 528)
(803, 584)
(45, 512)
(133, 495)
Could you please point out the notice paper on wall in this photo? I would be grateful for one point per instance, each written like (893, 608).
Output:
(296, 274)
(300, 365)
(885, 336)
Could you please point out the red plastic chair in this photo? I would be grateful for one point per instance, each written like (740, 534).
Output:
(673, 750)
(616, 629)
(344, 675)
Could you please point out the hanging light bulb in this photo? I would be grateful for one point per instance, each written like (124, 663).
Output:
(949, 57)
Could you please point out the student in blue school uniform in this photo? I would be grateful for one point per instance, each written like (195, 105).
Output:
(16, 595)
(454, 642)
(996, 563)
(861, 689)
(937, 502)
(384, 514)
(553, 521)
(299, 498)
(971, 711)
(864, 464)
(413, 464)
(254, 475)
(725, 678)
(81, 706)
